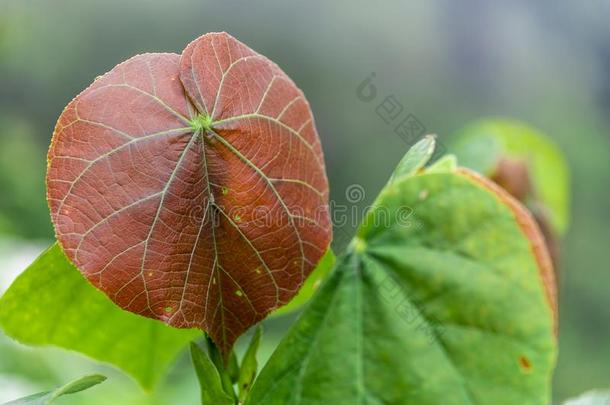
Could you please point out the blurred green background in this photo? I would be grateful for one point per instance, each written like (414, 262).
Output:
(448, 63)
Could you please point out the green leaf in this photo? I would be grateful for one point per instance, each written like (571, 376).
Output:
(249, 366)
(415, 158)
(219, 362)
(450, 312)
(52, 304)
(212, 391)
(310, 285)
(591, 398)
(447, 163)
(44, 398)
(480, 146)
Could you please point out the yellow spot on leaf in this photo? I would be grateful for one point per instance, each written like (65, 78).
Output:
(359, 245)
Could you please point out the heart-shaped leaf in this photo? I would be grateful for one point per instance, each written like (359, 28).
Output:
(191, 188)
(448, 310)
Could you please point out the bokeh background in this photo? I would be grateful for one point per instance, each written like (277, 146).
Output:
(448, 63)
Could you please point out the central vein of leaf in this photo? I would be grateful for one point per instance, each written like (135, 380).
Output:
(201, 123)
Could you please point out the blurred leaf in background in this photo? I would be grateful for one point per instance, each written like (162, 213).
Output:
(484, 145)
(23, 208)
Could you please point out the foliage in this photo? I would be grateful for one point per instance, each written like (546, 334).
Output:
(158, 174)
(450, 309)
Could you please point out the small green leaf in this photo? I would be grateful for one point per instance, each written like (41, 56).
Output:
(52, 304)
(481, 145)
(212, 391)
(223, 370)
(450, 312)
(415, 158)
(44, 398)
(447, 163)
(325, 265)
(249, 366)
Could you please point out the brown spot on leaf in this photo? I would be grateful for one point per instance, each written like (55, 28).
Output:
(525, 364)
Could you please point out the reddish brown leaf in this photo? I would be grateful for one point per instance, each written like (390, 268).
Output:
(192, 188)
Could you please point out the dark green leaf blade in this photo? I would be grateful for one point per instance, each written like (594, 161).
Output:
(451, 312)
(52, 304)
(72, 387)
(212, 391)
